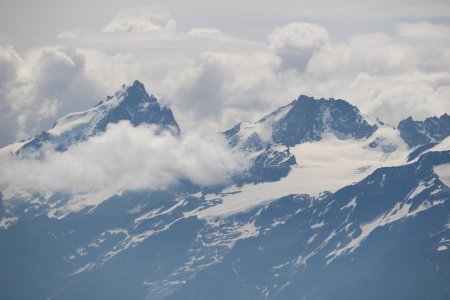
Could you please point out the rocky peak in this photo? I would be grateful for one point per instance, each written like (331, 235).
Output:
(431, 130)
(131, 103)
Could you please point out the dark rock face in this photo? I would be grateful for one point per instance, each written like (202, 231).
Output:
(37, 142)
(430, 130)
(310, 118)
(232, 132)
(138, 107)
(419, 150)
(272, 164)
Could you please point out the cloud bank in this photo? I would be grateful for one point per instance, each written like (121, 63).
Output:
(125, 158)
(209, 77)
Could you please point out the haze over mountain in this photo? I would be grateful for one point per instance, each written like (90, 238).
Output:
(316, 200)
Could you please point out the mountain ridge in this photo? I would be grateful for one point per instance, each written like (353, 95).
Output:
(337, 209)
(281, 126)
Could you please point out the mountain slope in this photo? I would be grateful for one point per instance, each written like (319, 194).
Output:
(160, 245)
(334, 206)
(375, 233)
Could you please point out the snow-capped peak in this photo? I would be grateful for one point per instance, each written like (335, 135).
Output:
(303, 120)
(130, 102)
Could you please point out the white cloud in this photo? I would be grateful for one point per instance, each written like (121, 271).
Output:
(211, 33)
(9, 61)
(295, 43)
(125, 158)
(207, 76)
(39, 85)
(298, 36)
(141, 20)
(387, 76)
(371, 53)
(227, 88)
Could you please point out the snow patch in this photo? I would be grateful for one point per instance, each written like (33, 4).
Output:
(443, 172)
(5, 223)
(317, 225)
(79, 201)
(158, 212)
(417, 190)
(136, 209)
(351, 204)
(312, 238)
(86, 267)
(12, 148)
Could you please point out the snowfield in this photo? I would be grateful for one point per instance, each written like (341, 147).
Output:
(326, 165)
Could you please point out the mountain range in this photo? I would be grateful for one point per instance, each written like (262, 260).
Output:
(334, 204)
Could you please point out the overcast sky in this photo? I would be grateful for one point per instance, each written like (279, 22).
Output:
(218, 63)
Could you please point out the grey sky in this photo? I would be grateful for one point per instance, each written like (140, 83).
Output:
(28, 23)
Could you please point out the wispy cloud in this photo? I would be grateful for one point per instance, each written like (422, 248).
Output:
(125, 158)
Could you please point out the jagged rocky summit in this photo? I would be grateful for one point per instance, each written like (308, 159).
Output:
(131, 103)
